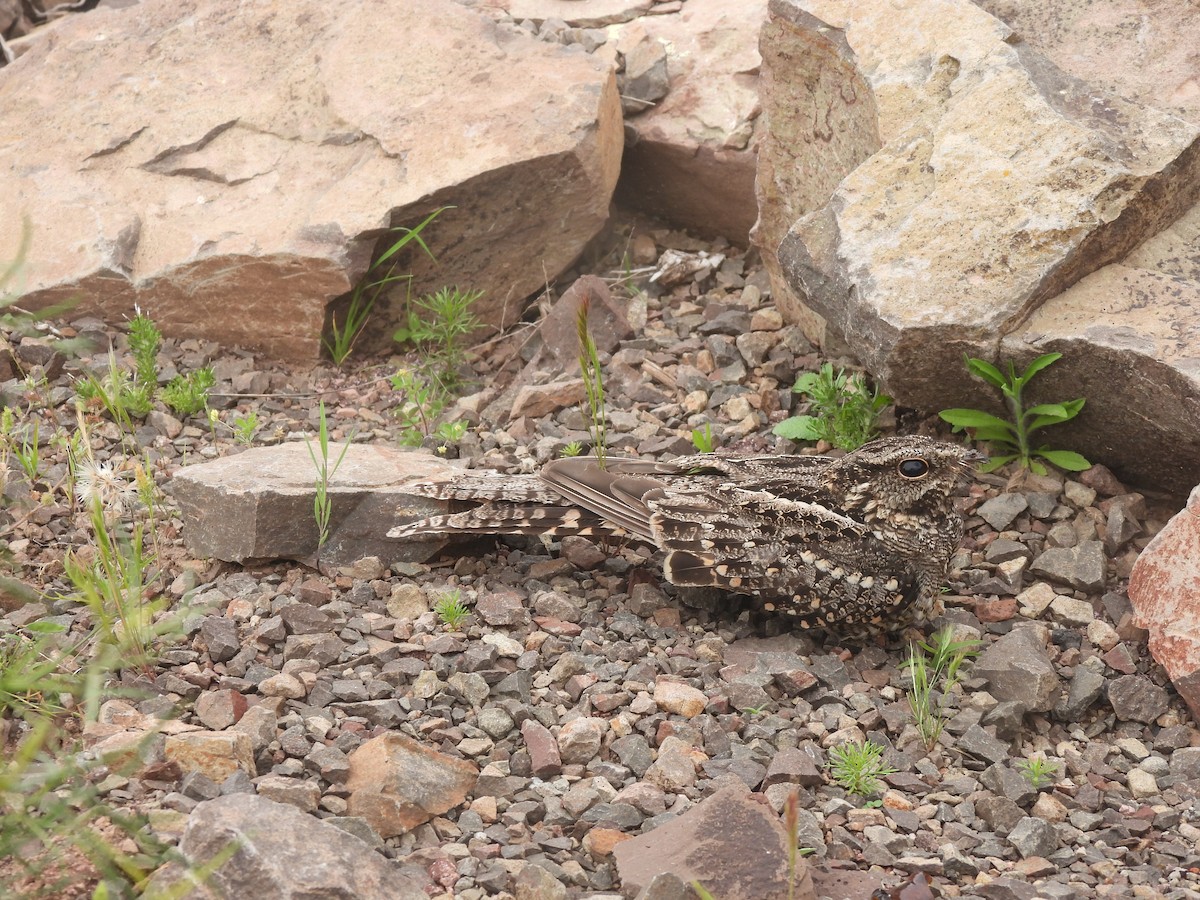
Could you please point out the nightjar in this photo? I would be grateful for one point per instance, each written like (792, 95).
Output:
(857, 544)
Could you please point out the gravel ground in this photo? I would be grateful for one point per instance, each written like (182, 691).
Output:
(599, 702)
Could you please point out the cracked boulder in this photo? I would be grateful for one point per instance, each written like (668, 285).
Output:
(259, 504)
(232, 168)
(951, 190)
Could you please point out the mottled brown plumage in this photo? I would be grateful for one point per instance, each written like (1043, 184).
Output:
(857, 544)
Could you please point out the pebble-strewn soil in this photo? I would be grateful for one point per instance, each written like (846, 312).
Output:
(596, 701)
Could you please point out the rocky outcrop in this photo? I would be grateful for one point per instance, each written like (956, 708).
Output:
(690, 130)
(690, 157)
(998, 185)
(232, 169)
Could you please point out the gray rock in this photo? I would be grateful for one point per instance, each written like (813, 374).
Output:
(1018, 668)
(284, 853)
(534, 883)
(1033, 837)
(220, 636)
(978, 743)
(1008, 783)
(708, 844)
(1002, 510)
(1085, 688)
(1185, 762)
(1000, 813)
(1082, 566)
(258, 504)
(1135, 698)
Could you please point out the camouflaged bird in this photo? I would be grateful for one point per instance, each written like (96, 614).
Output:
(857, 544)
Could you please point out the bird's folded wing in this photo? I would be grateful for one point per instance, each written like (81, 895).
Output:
(485, 485)
(617, 493)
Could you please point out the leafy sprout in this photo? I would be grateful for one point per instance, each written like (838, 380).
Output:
(1014, 436)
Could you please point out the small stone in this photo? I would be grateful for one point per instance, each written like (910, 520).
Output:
(535, 883)
(282, 685)
(407, 601)
(1018, 668)
(1033, 837)
(1102, 634)
(1080, 495)
(679, 699)
(300, 794)
(1082, 566)
(217, 710)
(579, 740)
(217, 754)
(544, 758)
(1035, 600)
(1141, 784)
(1135, 698)
(673, 770)
(1002, 510)
(1072, 611)
(220, 636)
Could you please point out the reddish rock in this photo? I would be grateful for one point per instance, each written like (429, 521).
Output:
(708, 844)
(1165, 591)
(218, 754)
(396, 783)
(600, 842)
(544, 758)
(996, 610)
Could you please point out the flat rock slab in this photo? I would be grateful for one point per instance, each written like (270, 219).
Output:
(1164, 589)
(259, 504)
(280, 852)
(708, 844)
(232, 168)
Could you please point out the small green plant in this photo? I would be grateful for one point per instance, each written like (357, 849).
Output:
(857, 767)
(439, 324)
(935, 667)
(245, 427)
(451, 610)
(1014, 436)
(593, 384)
(145, 340)
(28, 453)
(322, 502)
(188, 394)
(575, 448)
(452, 432)
(419, 404)
(843, 411)
(117, 393)
(367, 292)
(703, 440)
(113, 582)
(1039, 770)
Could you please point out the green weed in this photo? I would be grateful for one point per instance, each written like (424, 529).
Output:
(418, 405)
(842, 409)
(187, 394)
(451, 610)
(322, 502)
(1015, 435)
(368, 291)
(439, 324)
(934, 666)
(145, 340)
(703, 440)
(575, 448)
(245, 427)
(1039, 770)
(858, 767)
(593, 384)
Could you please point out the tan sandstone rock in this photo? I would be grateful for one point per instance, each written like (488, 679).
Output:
(231, 168)
(259, 504)
(690, 158)
(999, 182)
(396, 783)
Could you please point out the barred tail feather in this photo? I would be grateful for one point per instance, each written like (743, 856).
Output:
(504, 518)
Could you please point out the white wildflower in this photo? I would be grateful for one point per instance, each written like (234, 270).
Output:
(99, 482)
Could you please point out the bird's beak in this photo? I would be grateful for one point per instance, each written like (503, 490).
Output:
(974, 457)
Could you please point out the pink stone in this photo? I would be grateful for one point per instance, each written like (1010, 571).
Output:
(1165, 591)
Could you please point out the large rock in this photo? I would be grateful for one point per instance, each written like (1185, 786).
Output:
(1164, 588)
(690, 158)
(396, 783)
(259, 504)
(999, 181)
(708, 844)
(232, 168)
(269, 849)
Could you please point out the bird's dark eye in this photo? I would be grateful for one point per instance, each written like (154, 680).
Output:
(913, 468)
